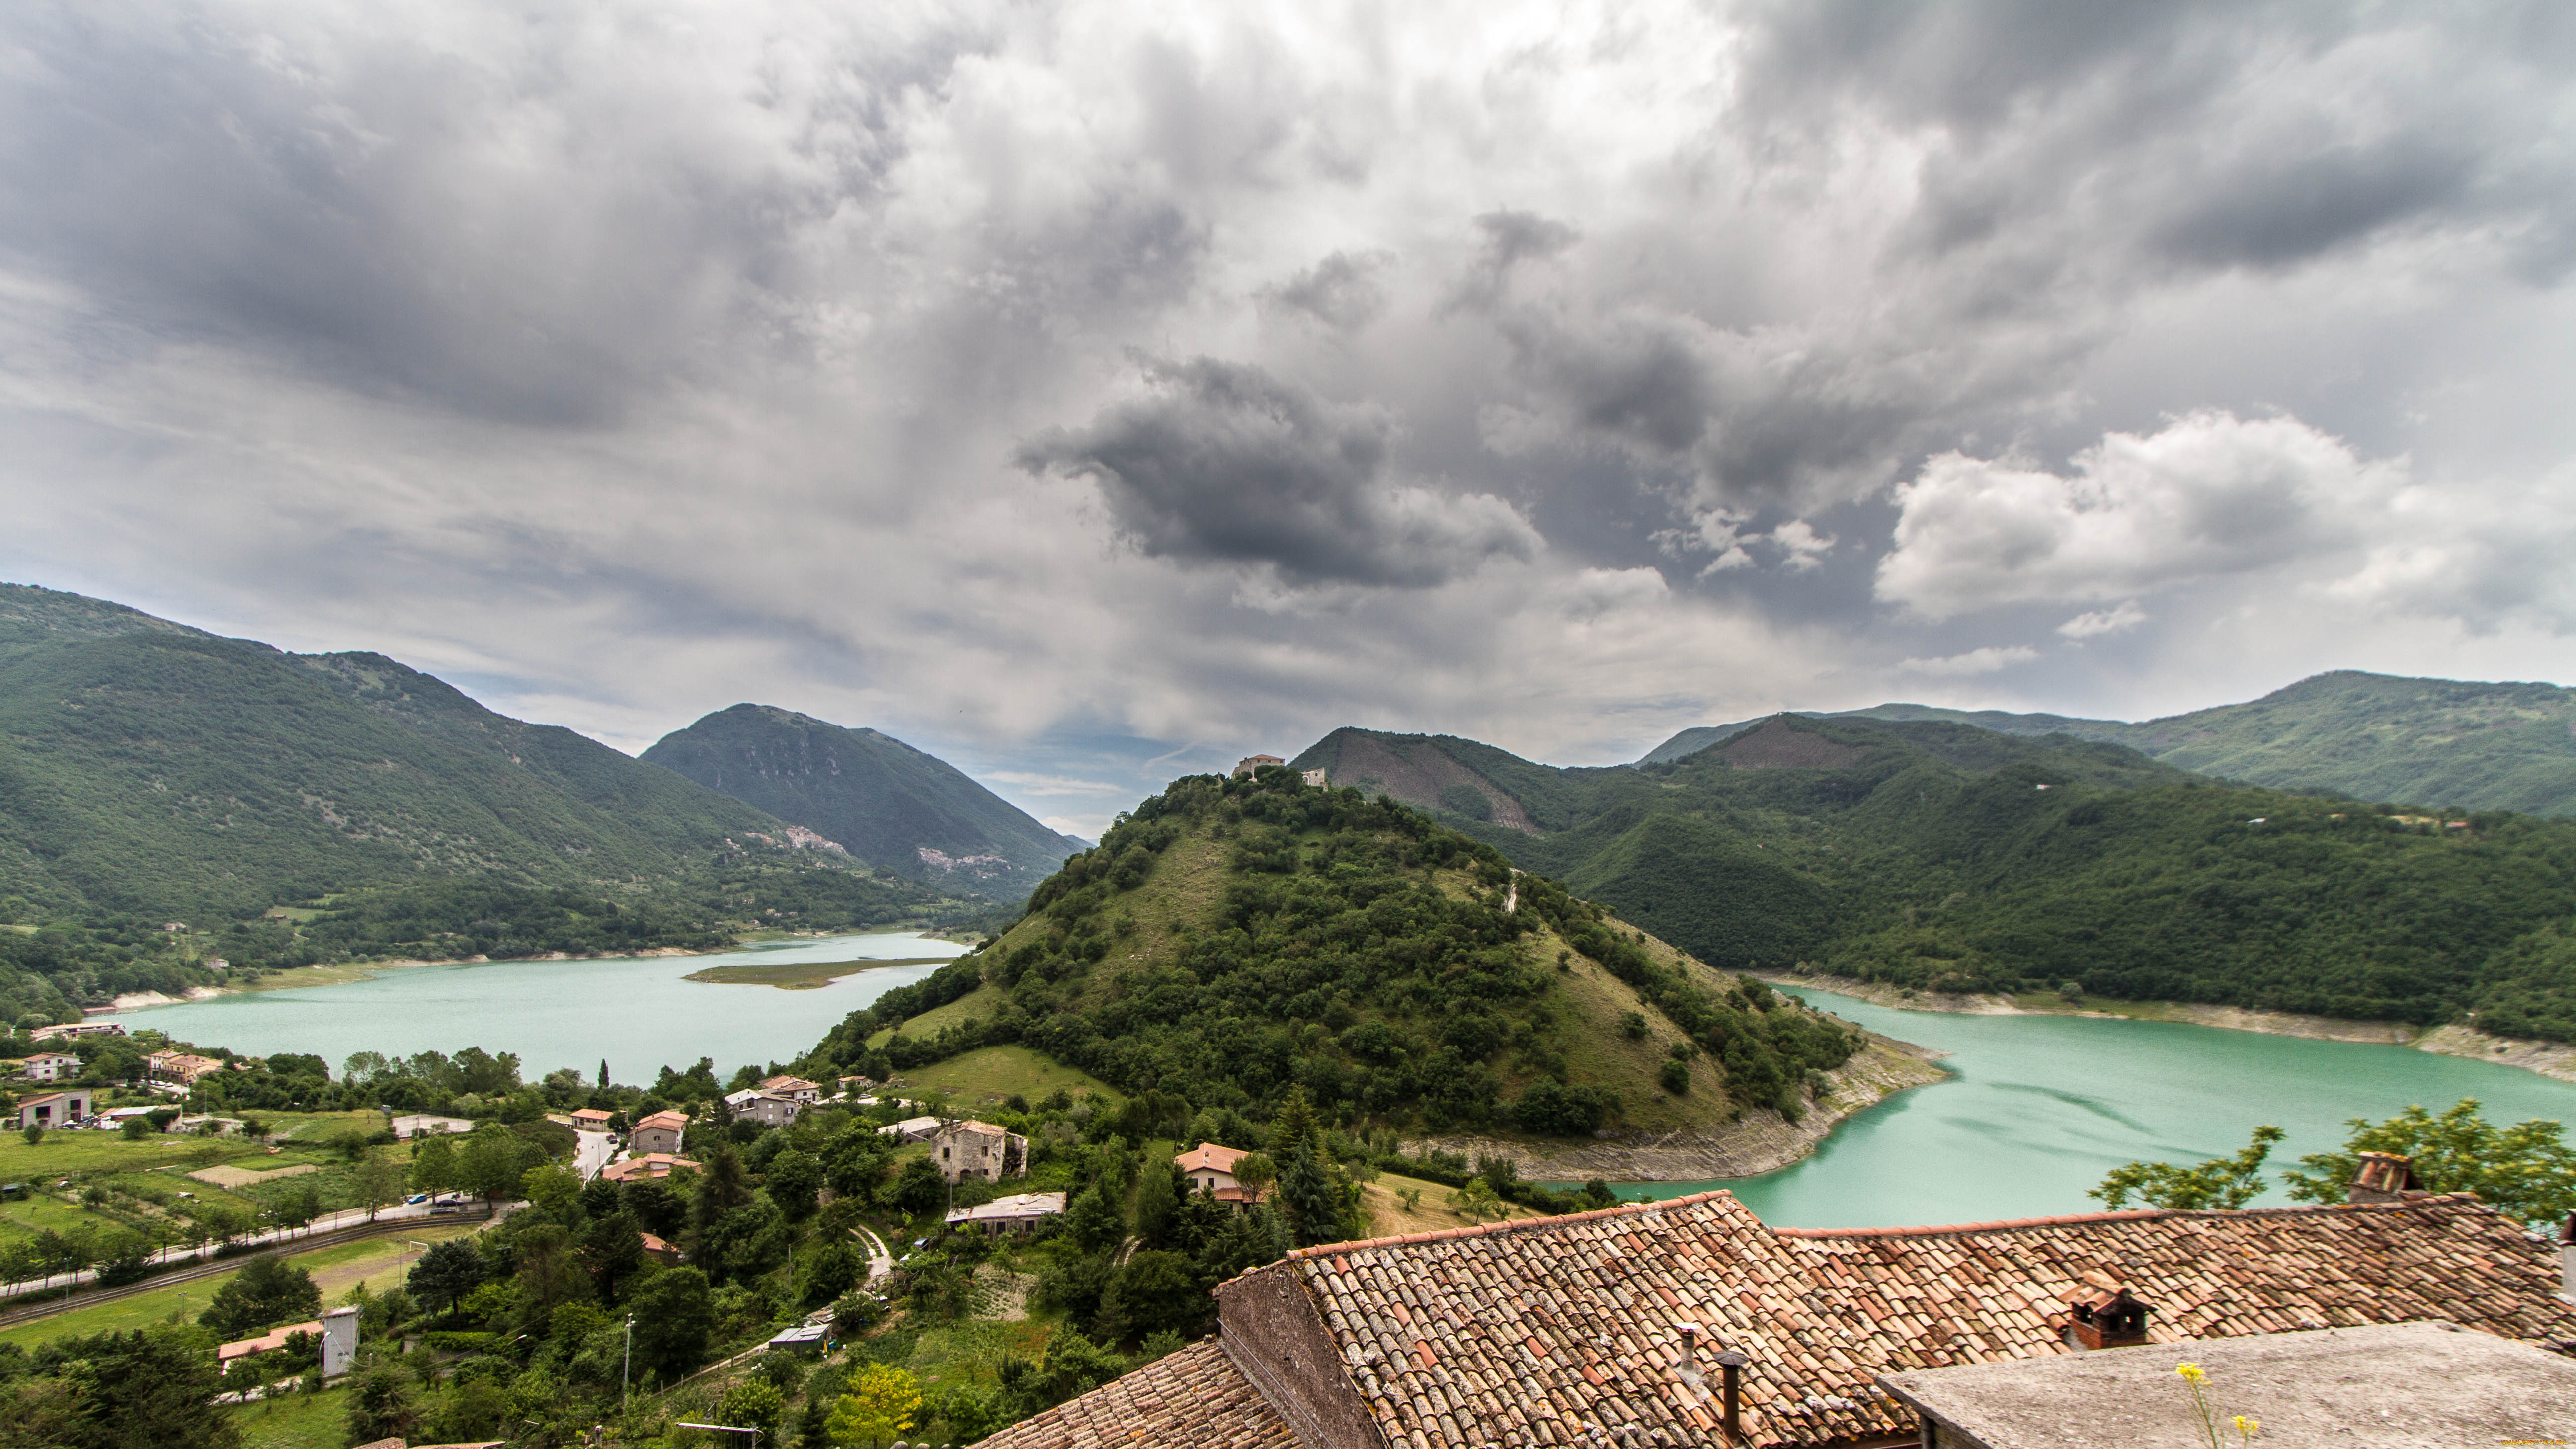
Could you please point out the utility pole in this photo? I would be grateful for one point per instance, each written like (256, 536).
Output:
(626, 1381)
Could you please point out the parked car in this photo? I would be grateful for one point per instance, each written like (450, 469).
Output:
(416, 1199)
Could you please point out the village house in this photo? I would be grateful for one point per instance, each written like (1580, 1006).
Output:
(77, 1028)
(660, 1132)
(1691, 1322)
(1014, 1214)
(651, 1167)
(66, 1108)
(795, 1089)
(180, 1068)
(590, 1119)
(51, 1067)
(855, 1086)
(659, 1251)
(337, 1329)
(979, 1150)
(769, 1109)
(911, 1129)
(1210, 1169)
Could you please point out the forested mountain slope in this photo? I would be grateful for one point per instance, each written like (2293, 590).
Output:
(1929, 853)
(1233, 938)
(887, 803)
(2438, 742)
(151, 773)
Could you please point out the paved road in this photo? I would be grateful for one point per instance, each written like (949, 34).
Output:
(328, 1222)
(593, 1153)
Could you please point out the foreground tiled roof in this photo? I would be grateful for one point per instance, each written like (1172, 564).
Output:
(1568, 1330)
(1193, 1397)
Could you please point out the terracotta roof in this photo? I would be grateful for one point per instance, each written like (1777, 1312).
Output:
(1191, 1397)
(667, 1119)
(274, 1338)
(651, 1165)
(1551, 1330)
(1211, 1157)
(986, 1129)
(591, 1114)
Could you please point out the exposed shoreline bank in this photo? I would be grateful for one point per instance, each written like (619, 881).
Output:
(2549, 1059)
(342, 973)
(1759, 1141)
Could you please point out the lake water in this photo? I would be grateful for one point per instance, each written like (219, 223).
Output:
(2042, 1106)
(636, 1012)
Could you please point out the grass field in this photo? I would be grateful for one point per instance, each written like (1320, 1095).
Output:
(798, 976)
(145, 1178)
(378, 1262)
(976, 1005)
(994, 1073)
(1388, 1217)
(296, 1421)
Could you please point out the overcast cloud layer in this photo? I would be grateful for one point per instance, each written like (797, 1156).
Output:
(1089, 393)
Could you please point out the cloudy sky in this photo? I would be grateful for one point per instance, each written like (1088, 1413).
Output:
(1090, 393)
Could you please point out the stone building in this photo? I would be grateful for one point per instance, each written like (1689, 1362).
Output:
(979, 1150)
(1690, 1322)
(660, 1132)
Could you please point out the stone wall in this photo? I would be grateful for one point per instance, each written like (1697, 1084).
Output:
(1270, 1327)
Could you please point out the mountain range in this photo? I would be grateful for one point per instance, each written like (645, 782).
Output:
(882, 800)
(2463, 744)
(294, 807)
(1933, 854)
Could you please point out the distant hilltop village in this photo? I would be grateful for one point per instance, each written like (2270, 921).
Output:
(1250, 763)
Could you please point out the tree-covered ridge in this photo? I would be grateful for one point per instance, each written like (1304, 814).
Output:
(1936, 855)
(1230, 939)
(889, 804)
(152, 774)
(2457, 743)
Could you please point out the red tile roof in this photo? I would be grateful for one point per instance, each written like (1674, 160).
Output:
(1211, 1157)
(1557, 1330)
(1193, 1397)
(667, 1120)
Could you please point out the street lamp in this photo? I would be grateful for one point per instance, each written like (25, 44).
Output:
(626, 1379)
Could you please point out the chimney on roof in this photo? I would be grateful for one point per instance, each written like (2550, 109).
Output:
(2107, 1320)
(1732, 1361)
(2567, 1259)
(2382, 1177)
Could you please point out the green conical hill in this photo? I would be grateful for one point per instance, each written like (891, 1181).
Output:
(1231, 938)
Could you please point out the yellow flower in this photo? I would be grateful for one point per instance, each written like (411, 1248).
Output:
(2246, 1427)
(2191, 1373)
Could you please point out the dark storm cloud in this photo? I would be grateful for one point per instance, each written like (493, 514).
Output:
(678, 353)
(1226, 464)
(500, 231)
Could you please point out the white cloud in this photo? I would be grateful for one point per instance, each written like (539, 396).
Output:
(2104, 621)
(1976, 661)
(2208, 494)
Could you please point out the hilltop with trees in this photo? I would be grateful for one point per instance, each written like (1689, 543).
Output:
(1935, 855)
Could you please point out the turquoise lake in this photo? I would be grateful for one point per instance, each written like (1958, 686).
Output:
(2039, 1108)
(2042, 1106)
(635, 1012)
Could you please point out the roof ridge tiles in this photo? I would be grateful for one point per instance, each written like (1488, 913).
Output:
(1513, 1225)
